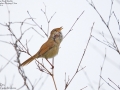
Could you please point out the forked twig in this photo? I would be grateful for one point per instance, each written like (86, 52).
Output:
(107, 25)
(48, 20)
(68, 82)
(37, 24)
(107, 83)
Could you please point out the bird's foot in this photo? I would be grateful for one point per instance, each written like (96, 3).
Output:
(52, 67)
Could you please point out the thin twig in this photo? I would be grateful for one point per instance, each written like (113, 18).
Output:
(48, 20)
(5, 42)
(44, 67)
(116, 19)
(83, 88)
(43, 82)
(80, 60)
(5, 65)
(54, 81)
(23, 22)
(103, 42)
(99, 85)
(74, 24)
(110, 12)
(86, 45)
(37, 24)
(114, 84)
(107, 83)
(5, 34)
(90, 84)
(92, 4)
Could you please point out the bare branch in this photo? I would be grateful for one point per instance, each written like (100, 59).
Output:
(51, 17)
(107, 83)
(83, 88)
(5, 42)
(99, 85)
(92, 4)
(67, 84)
(114, 84)
(37, 24)
(48, 20)
(116, 19)
(5, 34)
(110, 12)
(103, 43)
(9, 61)
(74, 24)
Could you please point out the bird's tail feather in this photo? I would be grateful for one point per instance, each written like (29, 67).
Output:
(28, 60)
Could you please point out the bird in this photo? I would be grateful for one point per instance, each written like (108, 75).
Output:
(50, 48)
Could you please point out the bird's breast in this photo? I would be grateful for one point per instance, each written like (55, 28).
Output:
(52, 52)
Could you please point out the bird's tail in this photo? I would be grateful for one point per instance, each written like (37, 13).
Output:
(28, 60)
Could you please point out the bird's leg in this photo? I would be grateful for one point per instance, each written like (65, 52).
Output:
(42, 61)
(50, 64)
(53, 61)
(53, 65)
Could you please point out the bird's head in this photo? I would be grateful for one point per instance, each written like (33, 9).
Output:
(56, 34)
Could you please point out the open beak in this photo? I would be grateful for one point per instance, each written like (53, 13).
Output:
(59, 29)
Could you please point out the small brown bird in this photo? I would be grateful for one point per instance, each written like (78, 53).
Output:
(50, 48)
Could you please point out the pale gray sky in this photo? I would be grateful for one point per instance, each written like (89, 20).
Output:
(72, 47)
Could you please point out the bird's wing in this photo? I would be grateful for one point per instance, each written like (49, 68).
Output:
(45, 47)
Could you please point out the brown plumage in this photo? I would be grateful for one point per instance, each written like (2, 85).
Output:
(50, 48)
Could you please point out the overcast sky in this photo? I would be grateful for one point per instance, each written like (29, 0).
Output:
(72, 47)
